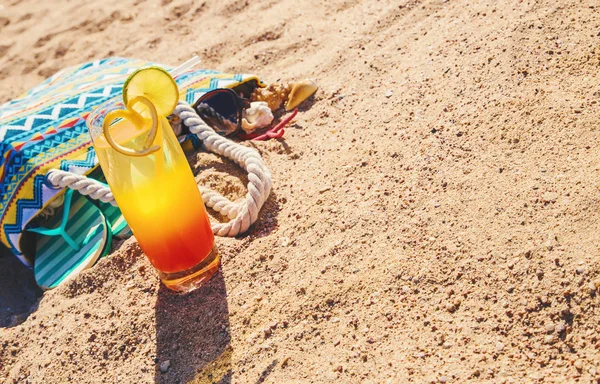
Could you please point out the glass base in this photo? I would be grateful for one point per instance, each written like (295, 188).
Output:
(195, 277)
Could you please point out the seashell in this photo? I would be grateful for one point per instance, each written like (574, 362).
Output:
(274, 95)
(258, 116)
(300, 91)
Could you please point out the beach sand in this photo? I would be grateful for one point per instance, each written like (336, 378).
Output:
(434, 214)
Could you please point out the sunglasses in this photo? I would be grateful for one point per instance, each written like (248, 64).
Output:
(222, 110)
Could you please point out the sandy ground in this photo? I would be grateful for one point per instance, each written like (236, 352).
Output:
(434, 216)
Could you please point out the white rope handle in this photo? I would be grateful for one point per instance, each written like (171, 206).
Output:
(242, 215)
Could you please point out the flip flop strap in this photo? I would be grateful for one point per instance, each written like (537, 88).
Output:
(242, 215)
(60, 230)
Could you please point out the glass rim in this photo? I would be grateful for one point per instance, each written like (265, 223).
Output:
(102, 109)
(95, 119)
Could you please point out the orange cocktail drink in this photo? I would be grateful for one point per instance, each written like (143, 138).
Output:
(155, 189)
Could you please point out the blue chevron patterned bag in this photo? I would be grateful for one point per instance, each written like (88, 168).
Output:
(45, 129)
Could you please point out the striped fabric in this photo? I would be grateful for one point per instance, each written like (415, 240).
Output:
(45, 129)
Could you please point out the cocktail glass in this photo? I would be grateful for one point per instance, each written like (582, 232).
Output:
(157, 194)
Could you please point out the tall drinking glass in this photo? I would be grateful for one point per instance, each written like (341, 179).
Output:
(158, 196)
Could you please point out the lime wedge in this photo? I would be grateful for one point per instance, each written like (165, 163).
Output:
(156, 85)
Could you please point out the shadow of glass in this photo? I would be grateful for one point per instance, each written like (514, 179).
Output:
(192, 335)
(19, 293)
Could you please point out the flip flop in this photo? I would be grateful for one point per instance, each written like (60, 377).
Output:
(70, 242)
(116, 221)
(118, 225)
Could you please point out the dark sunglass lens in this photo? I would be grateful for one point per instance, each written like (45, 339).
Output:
(220, 111)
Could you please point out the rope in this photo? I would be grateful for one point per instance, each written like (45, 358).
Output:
(86, 186)
(242, 215)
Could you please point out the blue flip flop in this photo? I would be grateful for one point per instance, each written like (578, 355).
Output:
(71, 242)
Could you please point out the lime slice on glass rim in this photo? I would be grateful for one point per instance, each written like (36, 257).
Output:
(156, 85)
(148, 94)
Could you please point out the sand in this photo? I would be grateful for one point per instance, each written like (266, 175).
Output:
(434, 215)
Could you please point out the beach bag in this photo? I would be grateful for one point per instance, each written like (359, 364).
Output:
(45, 130)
